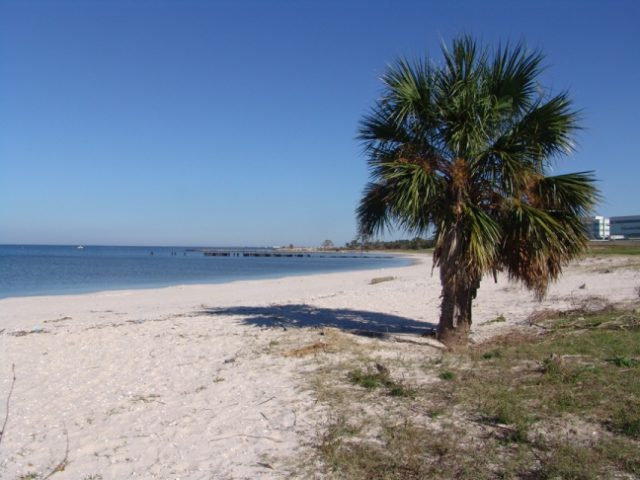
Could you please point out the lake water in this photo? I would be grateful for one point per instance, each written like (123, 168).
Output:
(48, 270)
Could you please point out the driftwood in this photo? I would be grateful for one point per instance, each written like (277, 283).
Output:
(623, 322)
(6, 415)
(427, 342)
(409, 338)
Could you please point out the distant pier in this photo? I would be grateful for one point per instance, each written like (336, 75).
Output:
(272, 253)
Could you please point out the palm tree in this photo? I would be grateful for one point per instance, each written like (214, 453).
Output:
(462, 150)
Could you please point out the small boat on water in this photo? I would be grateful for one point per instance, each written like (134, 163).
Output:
(79, 247)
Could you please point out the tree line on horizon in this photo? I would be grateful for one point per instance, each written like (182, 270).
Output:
(417, 243)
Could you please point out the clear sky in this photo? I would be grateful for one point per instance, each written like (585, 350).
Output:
(234, 122)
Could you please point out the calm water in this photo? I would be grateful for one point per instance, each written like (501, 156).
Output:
(46, 270)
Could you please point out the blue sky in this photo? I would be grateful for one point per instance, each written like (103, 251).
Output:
(234, 122)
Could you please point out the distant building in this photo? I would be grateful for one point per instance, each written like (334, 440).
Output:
(625, 227)
(598, 227)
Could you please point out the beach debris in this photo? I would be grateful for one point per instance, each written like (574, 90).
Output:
(583, 286)
(500, 318)
(230, 360)
(152, 397)
(22, 333)
(56, 320)
(377, 280)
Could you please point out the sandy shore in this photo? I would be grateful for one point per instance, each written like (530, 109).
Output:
(184, 383)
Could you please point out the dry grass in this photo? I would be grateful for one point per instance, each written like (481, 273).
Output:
(311, 349)
(562, 402)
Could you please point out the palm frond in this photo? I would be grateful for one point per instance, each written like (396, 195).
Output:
(484, 240)
(543, 132)
(373, 212)
(464, 149)
(462, 60)
(378, 127)
(513, 77)
(536, 245)
(546, 130)
(414, 195)
(574, 193)
(408, 90)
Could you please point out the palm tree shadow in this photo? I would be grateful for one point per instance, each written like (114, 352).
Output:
(306, 316)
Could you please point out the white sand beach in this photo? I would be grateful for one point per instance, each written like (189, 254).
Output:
(182, 382)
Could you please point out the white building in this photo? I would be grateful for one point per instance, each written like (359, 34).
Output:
(598, 227)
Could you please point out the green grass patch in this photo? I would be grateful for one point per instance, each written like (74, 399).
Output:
(400, 451)
(567, 462)
(495, 353)
(626, 420)
(504, 409)
(624, 361)
(368, 379)
(614, 249)
(446, 375)
(575, 368)
(372, 379)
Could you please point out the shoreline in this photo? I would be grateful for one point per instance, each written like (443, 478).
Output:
(198, 381)
(184, 295)
(219, 281)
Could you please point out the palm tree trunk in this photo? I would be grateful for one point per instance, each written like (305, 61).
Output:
(455, 312)
(459, 288)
